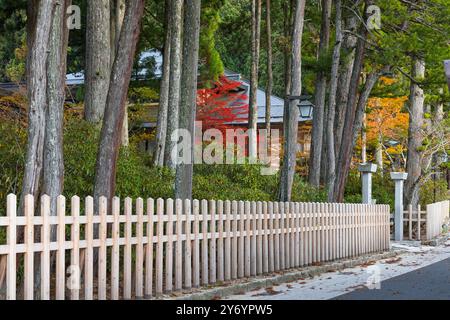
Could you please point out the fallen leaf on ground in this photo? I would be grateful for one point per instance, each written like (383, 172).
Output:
(368, 263)
(269, 292)
(391, 261)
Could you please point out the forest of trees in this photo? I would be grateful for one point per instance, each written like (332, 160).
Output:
(354, 58)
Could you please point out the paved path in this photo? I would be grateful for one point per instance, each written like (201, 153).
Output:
(423, 268)
(431, 282)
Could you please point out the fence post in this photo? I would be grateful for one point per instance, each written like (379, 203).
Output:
(366, 170)
(11, 241)
(399, 178)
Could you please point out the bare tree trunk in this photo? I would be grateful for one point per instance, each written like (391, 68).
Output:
(345, 74)
(37, 97)
(39, 25)
(161, 127)
(287, 8)
(320, 92)
(98, 55)
(345, 151)
(174, 81)
(331, 151)
(269, 86)
(292, 112)
(106, 167)
(188, 103)
(253, 104)
(415, 135)
(348, 144)
(53, 168)
(119, 15)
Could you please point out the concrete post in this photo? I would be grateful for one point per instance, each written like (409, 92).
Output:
(366, 170)
(399, 178)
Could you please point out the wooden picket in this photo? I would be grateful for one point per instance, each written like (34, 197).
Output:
(175, 245)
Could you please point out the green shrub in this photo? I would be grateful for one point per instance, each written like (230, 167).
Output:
(382, 189)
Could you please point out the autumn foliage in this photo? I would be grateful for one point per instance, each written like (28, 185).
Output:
(222, 104)
(386, 119)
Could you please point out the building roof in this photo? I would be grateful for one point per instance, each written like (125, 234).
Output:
(276, 103)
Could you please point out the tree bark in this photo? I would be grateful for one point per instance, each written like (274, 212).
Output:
(188, 103)
(269, 86)
(346, 148)
(287, 8)
(53, 168)
(348, 145)
(120, 7)
(319, 101)
(98, 55)
(331, 151)
(415, 135)
(349, 46)
(253, 104)
(292, 112)
(174, 81)
(106, 167)
(37, 97)
(161, 127)
(39, 25)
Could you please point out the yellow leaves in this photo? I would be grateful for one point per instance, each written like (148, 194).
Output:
(387, 81)
(386, 119)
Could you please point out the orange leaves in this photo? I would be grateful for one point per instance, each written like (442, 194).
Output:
(386, 120)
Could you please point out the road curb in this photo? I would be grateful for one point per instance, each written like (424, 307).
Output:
(246, 285)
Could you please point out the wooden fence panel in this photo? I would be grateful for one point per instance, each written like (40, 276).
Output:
(181, 244)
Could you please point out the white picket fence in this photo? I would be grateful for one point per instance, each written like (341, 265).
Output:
(172, 246)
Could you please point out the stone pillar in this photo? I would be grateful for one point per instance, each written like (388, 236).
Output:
(366, 170)
(399, 178)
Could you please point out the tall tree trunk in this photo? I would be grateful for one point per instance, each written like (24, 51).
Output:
(119, 15)
(106, 167)
(348, 144)
(98, 55)
(37, 96)
(415, 135)
(161, 127)
(174, 81)
(345, 74)
(320, 92)
(269, 86)
(188, 103)
(39, 25)
(253, 104)
(331, 151)
(292, 112)
(346, 149)
(287, 12)
(53, 168)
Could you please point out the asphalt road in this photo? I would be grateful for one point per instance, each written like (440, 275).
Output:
(431, 282)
